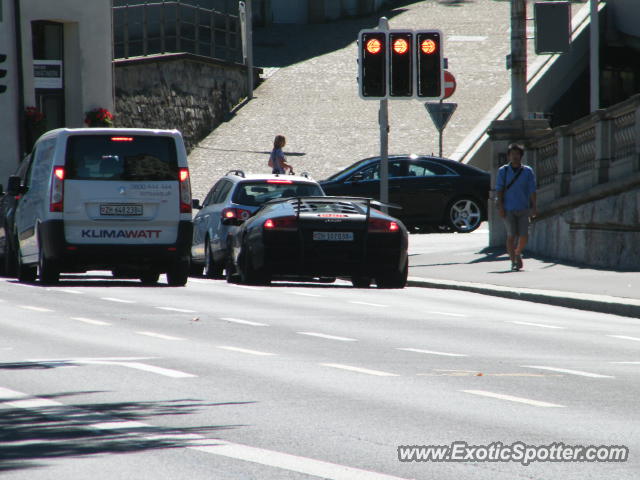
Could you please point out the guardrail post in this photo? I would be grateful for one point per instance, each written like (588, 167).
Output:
(565, 155)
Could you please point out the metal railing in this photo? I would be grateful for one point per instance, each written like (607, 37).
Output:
(173, 26)
(602, 147)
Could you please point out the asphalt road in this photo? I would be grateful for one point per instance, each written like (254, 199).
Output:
(107, 379)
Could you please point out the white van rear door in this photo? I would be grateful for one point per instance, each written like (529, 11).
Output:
(134, 213)
(121, 189)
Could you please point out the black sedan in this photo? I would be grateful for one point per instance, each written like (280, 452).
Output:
(307, 237)
(432, 191)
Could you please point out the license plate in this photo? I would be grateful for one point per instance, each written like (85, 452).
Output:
(333, 236)
(128, 210)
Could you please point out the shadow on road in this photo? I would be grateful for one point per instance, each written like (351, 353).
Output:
(29, 437)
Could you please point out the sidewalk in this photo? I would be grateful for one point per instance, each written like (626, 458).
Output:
(463, 262)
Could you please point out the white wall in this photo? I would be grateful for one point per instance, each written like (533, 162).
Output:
(88, 71)
(9, 149)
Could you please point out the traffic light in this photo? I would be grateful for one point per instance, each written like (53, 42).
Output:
(372, 64)
(429, 69)
(3, 72)
(401, 64)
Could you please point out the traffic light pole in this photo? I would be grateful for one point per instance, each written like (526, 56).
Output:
(383, 120)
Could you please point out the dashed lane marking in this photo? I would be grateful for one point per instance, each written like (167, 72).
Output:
(35, 309)
(117, 300)
(245, 350)
(328, 337)
(511, 398)
(431, 352)
(91, 321)
(625, 337)
(448, 314)
(243, 322)
(540, 325)
(366, 371)
(159, 335)
(305, 294)
(568, 371)
(173, 309)
(369, 304)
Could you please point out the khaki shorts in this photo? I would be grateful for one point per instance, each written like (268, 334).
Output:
(517, 222)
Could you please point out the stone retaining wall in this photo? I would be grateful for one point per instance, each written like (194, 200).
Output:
(601, 233)
(178, 91)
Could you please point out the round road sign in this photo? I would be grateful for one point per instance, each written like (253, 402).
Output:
(449, 84)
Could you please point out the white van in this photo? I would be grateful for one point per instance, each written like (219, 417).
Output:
(105, 199)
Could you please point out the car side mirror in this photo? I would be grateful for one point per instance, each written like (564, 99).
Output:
(195, 204)
(14, 186)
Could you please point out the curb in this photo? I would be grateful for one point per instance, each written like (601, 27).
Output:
(626, 307)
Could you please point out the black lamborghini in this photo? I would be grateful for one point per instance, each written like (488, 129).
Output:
(320, 237)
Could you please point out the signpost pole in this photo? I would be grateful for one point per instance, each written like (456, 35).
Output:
(440, 130)
(383, 120)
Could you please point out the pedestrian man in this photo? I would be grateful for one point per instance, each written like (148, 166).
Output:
(516, 187)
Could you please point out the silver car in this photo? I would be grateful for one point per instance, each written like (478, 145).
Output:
(237, 196)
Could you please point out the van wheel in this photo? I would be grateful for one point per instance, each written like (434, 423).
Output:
(48, 270)
(149, 278)
(178, 274)
(26, 273)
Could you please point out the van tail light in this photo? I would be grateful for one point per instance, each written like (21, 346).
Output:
(185, 190)
(281, 223)
(379, 225)
(239, 213)
(57, 190)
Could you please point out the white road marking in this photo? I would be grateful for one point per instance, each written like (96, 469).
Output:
(118, 425)
(91, 321)
(246, 287)
(305, 294)
(15, 399)
(328, 337)
(624, 337)
(294, 463)
(243, 322)
(285, 461)
(626, 363)
(67, 290)
(510, 398)
(570, 372)
(159, 335)
(431, 352)
(449, 314)
(90, 359)
(167, 372)
(369, 304)
(367, 371)
(244, 350)
(172, 309)
(35, 309)
(541, 325)
(118, 300)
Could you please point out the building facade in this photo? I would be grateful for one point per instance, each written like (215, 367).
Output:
(59, 64)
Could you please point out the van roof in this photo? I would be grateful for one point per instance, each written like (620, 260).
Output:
(109, 131)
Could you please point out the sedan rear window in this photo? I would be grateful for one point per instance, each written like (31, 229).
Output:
(121, 158)
(257, 193)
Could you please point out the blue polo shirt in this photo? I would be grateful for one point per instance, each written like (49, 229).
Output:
(519, 194)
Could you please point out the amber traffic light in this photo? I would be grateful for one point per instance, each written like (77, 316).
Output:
(429, 64)
(372, 64)
(401, 64)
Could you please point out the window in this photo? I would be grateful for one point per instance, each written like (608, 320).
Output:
(257, 193)
(137, 158)
(425, 168)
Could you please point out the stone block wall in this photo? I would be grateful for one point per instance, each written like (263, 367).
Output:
(601, 233)
(178, 91)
